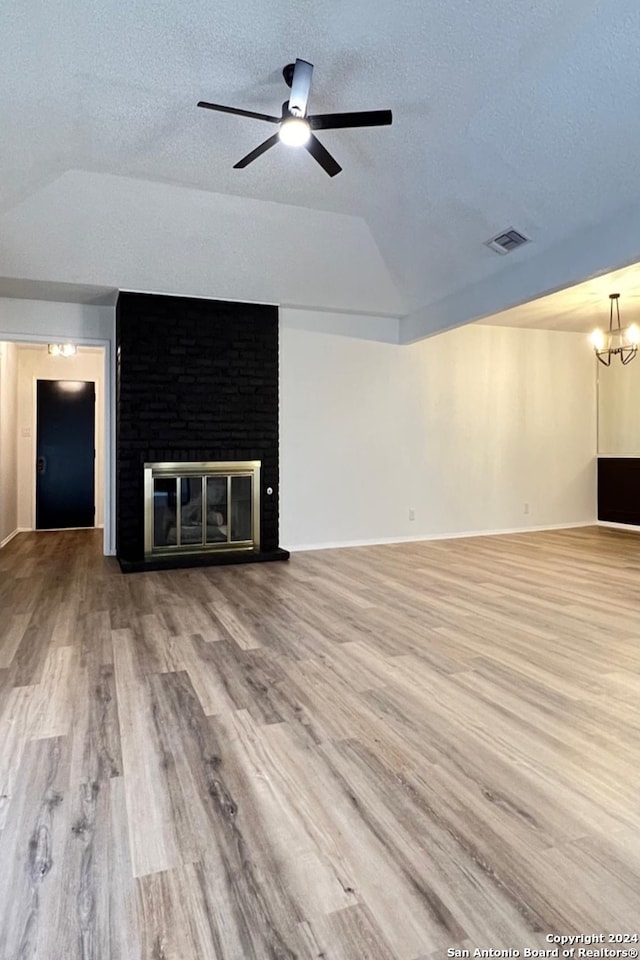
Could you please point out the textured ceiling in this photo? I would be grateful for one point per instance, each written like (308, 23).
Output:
(505, 114)
(580, 308)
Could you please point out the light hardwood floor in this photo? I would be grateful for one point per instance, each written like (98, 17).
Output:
(364, 754)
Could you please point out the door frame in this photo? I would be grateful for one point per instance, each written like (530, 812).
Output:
(108, 424)
(34, 454)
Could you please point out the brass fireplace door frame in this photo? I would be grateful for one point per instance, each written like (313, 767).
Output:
(203, 470)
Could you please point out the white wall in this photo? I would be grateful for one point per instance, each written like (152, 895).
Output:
(46, 321)
(49, 321)
(8, 442)
(618, 406)
(34, 363)
(463, 428)
(358, 325)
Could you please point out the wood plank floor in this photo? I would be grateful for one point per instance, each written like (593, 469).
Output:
(365, 754)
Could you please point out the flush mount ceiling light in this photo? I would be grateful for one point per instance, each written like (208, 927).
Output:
(618, 341)
(62, 349)
(296, 126)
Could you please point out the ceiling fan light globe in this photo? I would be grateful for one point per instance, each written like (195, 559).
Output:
(294, 132)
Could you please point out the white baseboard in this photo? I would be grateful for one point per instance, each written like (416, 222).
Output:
(8, 539)
(618, 526)
(438, 536)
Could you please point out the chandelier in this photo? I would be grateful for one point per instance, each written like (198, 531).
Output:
(620, 341)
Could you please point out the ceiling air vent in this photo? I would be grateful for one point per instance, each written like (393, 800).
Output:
(507, 241)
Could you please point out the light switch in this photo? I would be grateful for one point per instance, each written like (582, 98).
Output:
(25, 432)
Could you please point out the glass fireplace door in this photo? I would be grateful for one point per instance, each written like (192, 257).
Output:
(205, 506)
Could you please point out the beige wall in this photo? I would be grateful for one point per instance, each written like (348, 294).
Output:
(619, 408)
(464, 429)
(8, 441)
(34, 363)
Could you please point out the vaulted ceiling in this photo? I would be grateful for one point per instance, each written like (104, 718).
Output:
(505, 114)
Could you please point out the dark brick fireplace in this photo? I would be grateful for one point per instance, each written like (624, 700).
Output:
(197, 380)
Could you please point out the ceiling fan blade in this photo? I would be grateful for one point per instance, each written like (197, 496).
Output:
(300, 87)
(322, 155)
(239, 113)
(250, 157)
(363, 118)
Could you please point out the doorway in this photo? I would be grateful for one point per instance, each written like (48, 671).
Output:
(35, 363)
(65, 454)
(25, 357)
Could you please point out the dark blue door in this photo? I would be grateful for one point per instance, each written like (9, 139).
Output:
(65, 454)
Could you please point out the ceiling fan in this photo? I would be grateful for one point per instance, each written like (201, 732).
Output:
(296, 126)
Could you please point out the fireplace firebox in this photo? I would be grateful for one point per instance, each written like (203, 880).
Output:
(200, 507)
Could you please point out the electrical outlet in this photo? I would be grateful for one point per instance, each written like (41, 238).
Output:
(526, 508)
(412, 514)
